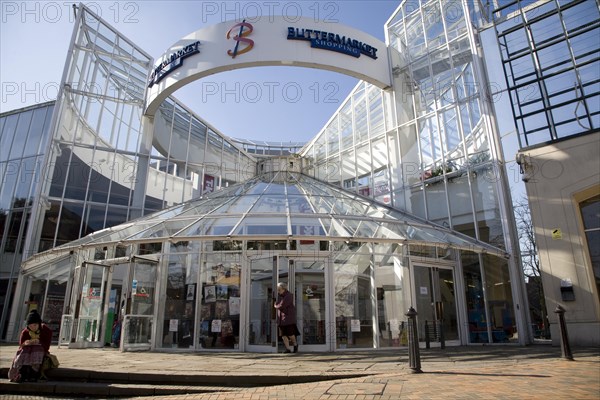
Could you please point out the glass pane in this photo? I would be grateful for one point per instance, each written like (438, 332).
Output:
(500, 302)
(353, 304)
(36, 130)
(143, 288)
(180, 303)
(424, 301)
(220, 277)
(590, 212)
(393, 299)
(21, 132)
(487, 207)
(476, 314)
(6, 136)
(262, 313)
(447, 317)
(92, 303)
(310, 301)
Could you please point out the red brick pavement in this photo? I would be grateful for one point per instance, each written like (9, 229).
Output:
(538, 379)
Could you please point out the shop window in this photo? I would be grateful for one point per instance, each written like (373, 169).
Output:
(590, 214)
(219, 291)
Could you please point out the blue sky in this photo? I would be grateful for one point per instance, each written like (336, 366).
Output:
(34, 39)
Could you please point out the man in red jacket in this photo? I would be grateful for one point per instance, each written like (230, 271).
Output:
(286, 318)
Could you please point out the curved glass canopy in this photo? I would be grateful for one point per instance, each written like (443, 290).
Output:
(279, 206)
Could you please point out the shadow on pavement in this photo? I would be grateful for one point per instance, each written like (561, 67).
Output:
(482, 374)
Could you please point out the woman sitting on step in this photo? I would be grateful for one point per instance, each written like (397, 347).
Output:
(34, 344)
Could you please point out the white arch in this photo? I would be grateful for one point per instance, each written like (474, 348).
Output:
(204, 52)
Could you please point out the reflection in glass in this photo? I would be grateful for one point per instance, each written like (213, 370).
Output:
(353, 294)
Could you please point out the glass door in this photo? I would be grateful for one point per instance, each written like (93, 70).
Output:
(91, 305)
(117, 295)
(311, 304)
(306, 281)
(436, 304)
(138, 319)
(262, 330)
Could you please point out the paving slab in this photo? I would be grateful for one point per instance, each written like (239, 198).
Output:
(483, 372)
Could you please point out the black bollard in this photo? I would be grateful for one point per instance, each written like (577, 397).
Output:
(442, 338)
(427, 341)
(414, 358)
(564, 337)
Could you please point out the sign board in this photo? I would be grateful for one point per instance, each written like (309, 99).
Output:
(274, 41)
(173, 324)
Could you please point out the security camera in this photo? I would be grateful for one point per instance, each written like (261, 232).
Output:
(520, 158)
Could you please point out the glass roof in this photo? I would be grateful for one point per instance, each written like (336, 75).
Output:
(281, 206)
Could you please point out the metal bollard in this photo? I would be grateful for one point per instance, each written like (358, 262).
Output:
(442, 338)
(427, 340)
(564, 337)
(414, 358)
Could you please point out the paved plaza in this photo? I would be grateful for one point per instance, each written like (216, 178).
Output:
(488, 372)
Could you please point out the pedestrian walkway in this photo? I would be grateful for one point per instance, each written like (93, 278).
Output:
(488, 372)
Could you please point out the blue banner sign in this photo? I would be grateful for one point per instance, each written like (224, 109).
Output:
(333, 42)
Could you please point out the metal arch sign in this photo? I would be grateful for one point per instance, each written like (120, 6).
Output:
(273, 42)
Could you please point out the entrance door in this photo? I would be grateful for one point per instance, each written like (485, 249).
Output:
(262, 334)
(436, 304)
(308, 285)
(306, 280)
(116, 301)
(138, 320)
(90, 318)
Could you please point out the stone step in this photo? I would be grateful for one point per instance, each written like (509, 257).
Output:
(96, 389)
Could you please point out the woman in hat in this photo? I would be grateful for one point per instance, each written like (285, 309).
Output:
(34, 344)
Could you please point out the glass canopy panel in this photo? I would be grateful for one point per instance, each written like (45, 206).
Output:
(164, 229)
(263, 225)
(340, 215)
(299, 204)
(216, 205)
(257, 188)
(275, 188)
(361, 228)
(119, 235)
(270, 204)
(347, 206)
(398, 227)
(170, 212)
(307, 226)
(338, 229)
(92, 237)
(391, 231)
(375, 211)
(210, 226)
(293, 190)
(239, 205)
(321, 205)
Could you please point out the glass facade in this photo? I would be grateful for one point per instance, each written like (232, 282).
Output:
(551, 60)
(23, 143)
(182, 233)
(549, 54)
